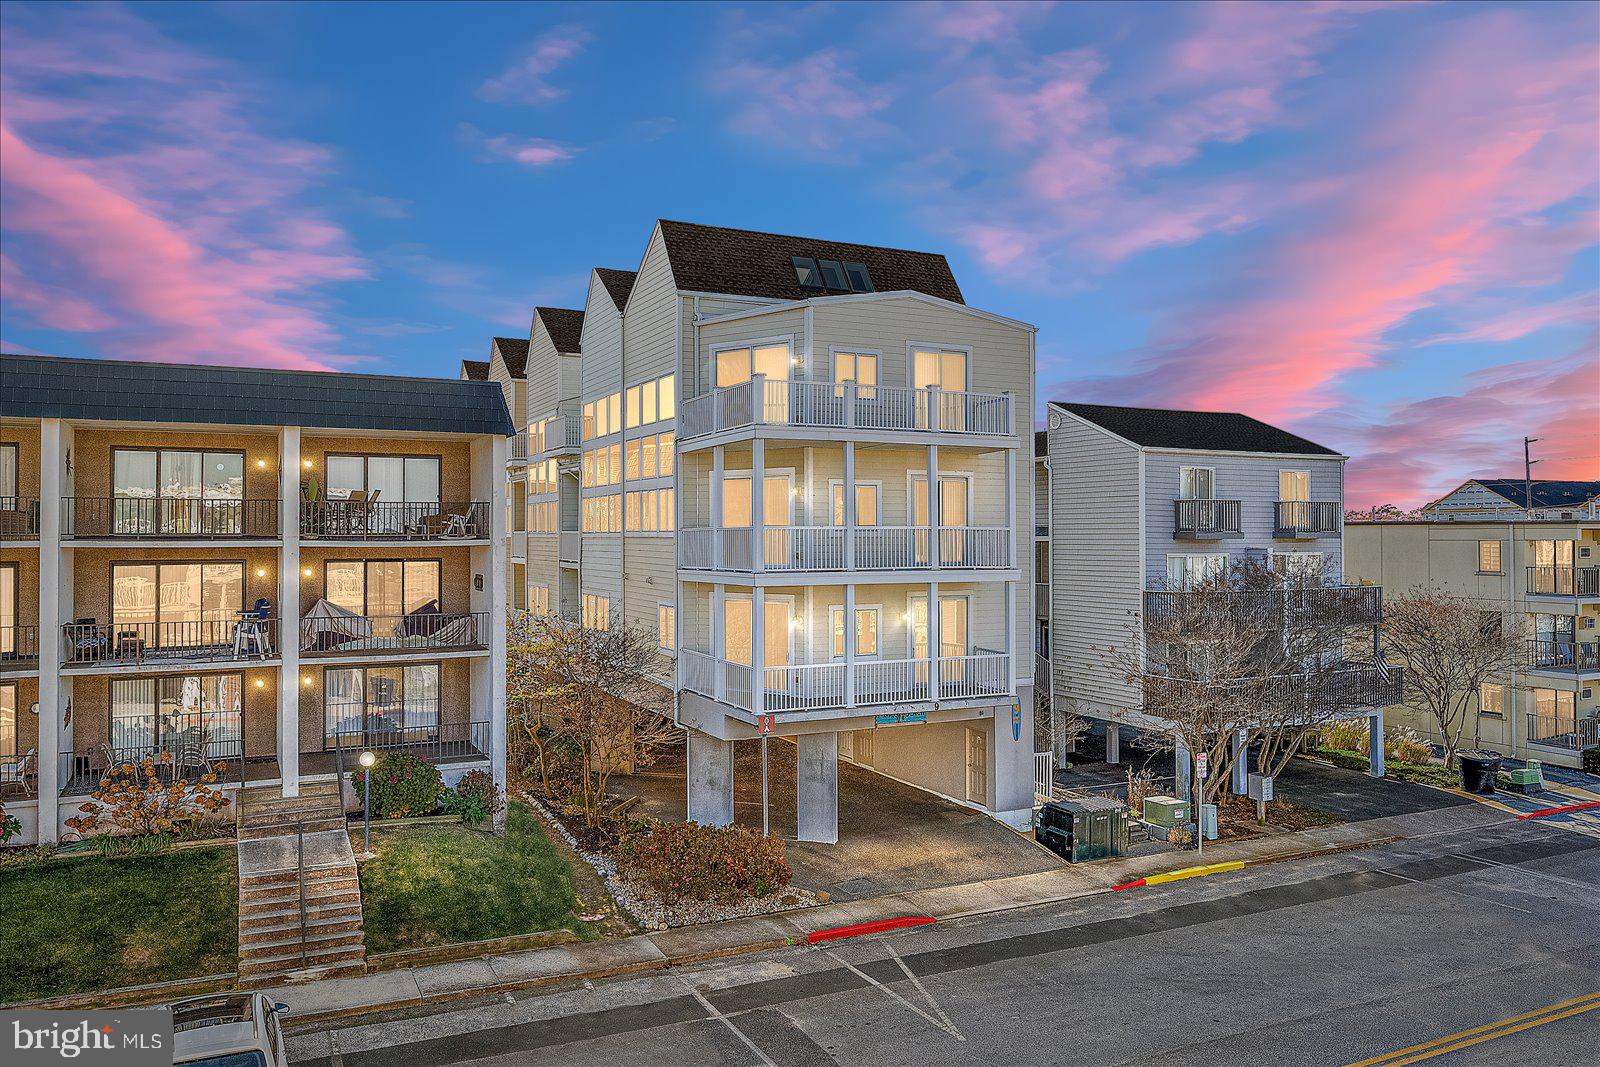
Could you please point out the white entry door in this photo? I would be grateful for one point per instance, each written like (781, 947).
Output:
(977, 766)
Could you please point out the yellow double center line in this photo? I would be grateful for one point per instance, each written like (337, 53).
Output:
(1479, 1034)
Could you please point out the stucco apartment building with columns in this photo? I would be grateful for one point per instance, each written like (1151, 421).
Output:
(260, 572)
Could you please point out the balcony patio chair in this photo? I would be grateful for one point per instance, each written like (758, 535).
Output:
(190, 753)
(20, 775)
(250, 632)
(129, 647)
(89, 641)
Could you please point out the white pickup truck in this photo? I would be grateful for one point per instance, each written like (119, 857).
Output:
(228, 1030)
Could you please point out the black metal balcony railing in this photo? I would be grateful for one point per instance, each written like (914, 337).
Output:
(1564, 655)
(1207, 519)
(1315, 694)
(385, 520)
(1563, 581)
(137, 517)
(19, 647)
(1320, 605)
(196, 641)
(1305, 518)
(19, 518)
(182, 746)
(358, 728)
(394, 633)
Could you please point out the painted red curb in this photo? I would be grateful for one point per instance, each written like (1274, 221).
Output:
(1135, 884)
(1587, 805)
(874, 927)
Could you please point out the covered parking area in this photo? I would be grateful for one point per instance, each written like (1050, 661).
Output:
(892, 837)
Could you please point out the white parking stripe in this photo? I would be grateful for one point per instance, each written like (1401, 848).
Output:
(725, 1021)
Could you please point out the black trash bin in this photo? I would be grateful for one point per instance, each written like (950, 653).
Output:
(1479, 771)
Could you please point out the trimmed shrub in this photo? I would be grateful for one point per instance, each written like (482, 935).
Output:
(465, 805)
(720, 863)
(402, 786)
(479, 785)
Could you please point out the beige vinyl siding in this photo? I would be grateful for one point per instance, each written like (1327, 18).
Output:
(544, 373)
(708, 307)
(648, 578)
(788, 324)
(1001, 359)
(649, 347)
(1094, 561)
(601, 342)
(501, 376)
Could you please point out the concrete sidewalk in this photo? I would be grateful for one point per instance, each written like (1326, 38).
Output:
(324, 1001)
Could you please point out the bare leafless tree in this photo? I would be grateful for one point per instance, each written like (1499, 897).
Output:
(1250, 650)
(590, 687)
(1450, 647)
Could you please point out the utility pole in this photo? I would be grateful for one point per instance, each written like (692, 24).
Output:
(1527, 473)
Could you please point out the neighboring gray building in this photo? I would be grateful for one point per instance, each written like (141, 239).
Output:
(1144, 502)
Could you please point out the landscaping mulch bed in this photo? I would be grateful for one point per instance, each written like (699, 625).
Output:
(644, 905)
(1237, 818)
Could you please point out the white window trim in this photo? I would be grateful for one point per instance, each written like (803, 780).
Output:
(922, 598)
(854, 350)
(786, 339)
(911, 359)
(837, 610)
(915, 476)
(1193, 467)
(1281, 472)
(672, 607)
(748, 474)
(875, 483)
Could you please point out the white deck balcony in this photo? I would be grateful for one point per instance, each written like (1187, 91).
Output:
(845, 548)
(844, 406)
(865, 683)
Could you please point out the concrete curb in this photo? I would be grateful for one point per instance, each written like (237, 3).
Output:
(410, 989)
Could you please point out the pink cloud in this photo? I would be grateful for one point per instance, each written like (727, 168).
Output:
(533, 152)
(1426, 446)
(527, 80)
(186, 243)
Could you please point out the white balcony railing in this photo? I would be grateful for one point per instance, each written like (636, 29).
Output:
(830, 548)
(563, 433)
(871, 682)
(846, 405)
(517, 452)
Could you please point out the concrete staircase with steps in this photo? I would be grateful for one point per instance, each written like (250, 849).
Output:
(299, 896)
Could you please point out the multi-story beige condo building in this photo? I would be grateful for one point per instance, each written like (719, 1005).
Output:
(252, 571)
(1541, 574)
(732, 448)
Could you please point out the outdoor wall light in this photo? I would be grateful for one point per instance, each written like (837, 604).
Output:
(261, 683)
(306, 571)
(261, 572)
(306, 680)
(261, 464)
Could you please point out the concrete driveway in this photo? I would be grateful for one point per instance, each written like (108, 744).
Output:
(892, 838)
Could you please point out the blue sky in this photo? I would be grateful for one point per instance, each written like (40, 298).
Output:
(1373, 223)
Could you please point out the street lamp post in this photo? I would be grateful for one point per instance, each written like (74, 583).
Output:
(366, 759)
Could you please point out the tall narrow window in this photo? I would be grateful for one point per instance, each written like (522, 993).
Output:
(8, 720)
(666, 627)
(1489, 557)
(8, 477)
(8, 609)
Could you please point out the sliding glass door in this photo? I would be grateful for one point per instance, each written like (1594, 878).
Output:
(384, 590)
(176, 492)
(177, 713)
(176, 605)
(402, 490)
(380, 706)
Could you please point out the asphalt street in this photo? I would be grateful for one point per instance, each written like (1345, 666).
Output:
(1462, 946)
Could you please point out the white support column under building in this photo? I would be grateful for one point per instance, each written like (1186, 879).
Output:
(933, 513)
(1241, 763)
(1113, 742)
(288, 733)
(817, 787)
(715, 519)
(710, 800)
(719, 642)
(1375, 744)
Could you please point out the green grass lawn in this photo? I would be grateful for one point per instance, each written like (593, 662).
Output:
(75, 926)
(443, 884)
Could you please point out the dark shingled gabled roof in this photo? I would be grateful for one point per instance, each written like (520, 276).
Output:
(1547, 493)
(514, 350)
(564, 325)
(475, 370)
(48, 387)
(619, 283)
(711, 259)
(1210, 431)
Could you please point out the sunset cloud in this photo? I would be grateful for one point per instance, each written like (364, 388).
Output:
(142, 204)
(527, 80)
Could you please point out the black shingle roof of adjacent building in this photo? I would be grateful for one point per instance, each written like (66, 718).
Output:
(47, 387)
(475, 370)
(619, 283)
(712, 259)
(514, 351)
(1547, 493)
(1214, 431)
(565, 327)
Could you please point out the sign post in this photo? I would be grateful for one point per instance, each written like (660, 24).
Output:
(1200, 760)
